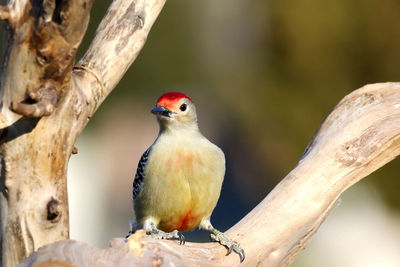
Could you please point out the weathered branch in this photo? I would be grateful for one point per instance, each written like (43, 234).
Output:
(44, 107)
(44, 42)
(118, 41)
(360, 135)
(41, 45)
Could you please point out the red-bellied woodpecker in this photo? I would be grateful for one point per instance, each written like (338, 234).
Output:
(178, 179)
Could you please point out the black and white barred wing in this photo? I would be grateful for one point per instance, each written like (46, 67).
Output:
(139, 177)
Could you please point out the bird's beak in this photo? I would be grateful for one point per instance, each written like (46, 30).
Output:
(161, 110)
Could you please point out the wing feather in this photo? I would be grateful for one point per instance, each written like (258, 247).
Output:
(140, 175)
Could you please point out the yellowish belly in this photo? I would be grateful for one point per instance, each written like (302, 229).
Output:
(180, 192)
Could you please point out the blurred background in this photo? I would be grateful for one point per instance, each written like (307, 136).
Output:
(263, 74)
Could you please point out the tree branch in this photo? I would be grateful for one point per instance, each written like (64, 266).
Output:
(41, 55)
(360, 135)
(45, 105)
(118, 41)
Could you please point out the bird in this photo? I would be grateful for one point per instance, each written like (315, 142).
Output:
(179, 177)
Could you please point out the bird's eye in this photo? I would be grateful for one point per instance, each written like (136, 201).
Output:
(183, 107)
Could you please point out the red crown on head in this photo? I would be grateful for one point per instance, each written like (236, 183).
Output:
(169, 99)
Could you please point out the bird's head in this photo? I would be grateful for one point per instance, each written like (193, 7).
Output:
(174, 109)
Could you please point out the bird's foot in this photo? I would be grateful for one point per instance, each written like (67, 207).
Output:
(129, 234)
(152, 230)
(229, 244)
(171, 235)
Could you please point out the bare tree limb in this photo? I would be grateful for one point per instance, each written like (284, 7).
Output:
(41, 45)
(118, 41)
(360, 135)
(45, 106)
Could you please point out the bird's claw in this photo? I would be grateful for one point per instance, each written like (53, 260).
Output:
(129, 234)
(171, 235)
(230, 245)
(181, 238)
(133, 227)
(229, 251)
(241, 254)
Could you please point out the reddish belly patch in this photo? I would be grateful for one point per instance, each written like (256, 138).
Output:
(187, 222)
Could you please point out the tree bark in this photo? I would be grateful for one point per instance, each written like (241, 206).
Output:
(46, 102)
(360, 135)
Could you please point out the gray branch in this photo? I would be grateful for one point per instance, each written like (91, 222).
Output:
(359, 136)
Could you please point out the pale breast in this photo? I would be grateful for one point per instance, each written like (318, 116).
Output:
(189, 178)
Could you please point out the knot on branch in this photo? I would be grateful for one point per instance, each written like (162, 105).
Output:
(54, 210)
(39, 103)
(74, 150)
